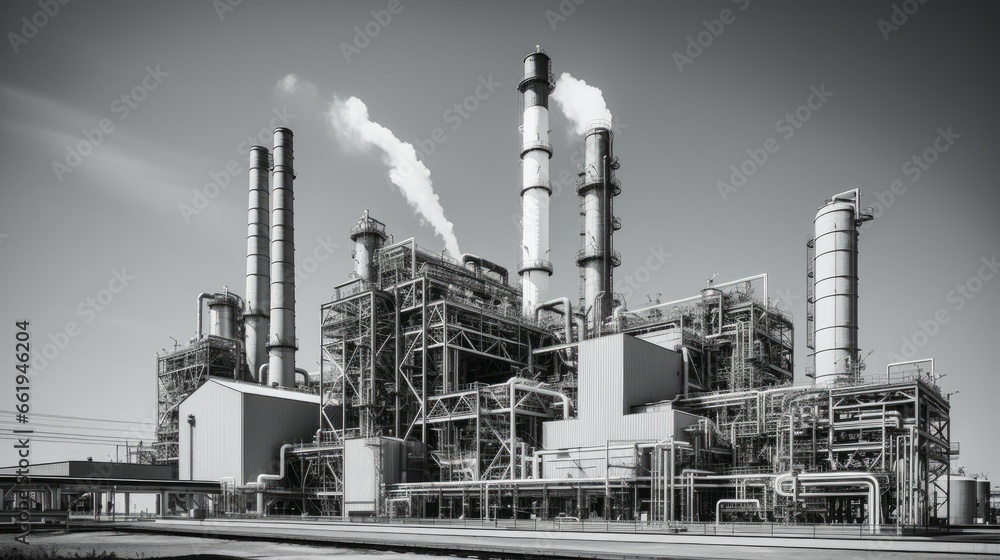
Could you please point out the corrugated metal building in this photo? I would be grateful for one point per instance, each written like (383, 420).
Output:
(96, 469)
(618, 374)
(238, 429)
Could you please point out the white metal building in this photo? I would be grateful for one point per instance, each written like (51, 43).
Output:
(619, 376)
(234, 430)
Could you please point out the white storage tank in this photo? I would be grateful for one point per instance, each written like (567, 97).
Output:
(961, 500)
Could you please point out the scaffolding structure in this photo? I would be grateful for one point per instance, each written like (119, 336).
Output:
(435, 352)
(180, 373)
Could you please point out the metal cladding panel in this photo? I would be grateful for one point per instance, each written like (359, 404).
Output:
(43, 469)
(359, 476)
(961, 500)
(620, 371)
(589, 463)
(600, 376)
(982, 499)
(596, 432)
(651, 373)
(270, 422)
(669, 338)
(218, 446)
(89, 469)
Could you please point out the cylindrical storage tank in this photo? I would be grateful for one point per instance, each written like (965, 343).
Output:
(961, 501)
(982, 500)
(836, 291)
(368, 237)
(222, 315)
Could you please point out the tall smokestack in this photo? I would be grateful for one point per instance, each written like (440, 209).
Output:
(832, 289)
(258, 262)
(368, 237)
(535, 267)
(597, 258)
(281, 342)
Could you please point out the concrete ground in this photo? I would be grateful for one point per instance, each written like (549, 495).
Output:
(134, 545)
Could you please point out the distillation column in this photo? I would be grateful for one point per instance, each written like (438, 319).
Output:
(281, 344)
(535, 267)
(835, 288)
(368, 236)
(255, 319)
(597, 258)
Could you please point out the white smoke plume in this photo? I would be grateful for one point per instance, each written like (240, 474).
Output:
(350, 121)
(580, 102)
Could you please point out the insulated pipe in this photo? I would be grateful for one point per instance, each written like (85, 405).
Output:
(201, 297)
(258, 294)
(262, 478)
(734, 501)
(281, 342)
(567, 313)
(514, 385)
(488, 265)
(835, 479)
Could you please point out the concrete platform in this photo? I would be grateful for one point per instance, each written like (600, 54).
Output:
(578, 544)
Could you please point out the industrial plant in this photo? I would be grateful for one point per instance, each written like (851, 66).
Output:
(449, 387)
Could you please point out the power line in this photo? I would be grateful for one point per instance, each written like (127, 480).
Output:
(75, 417)
(8, 424)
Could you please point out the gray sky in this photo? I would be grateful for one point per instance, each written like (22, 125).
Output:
(198, 81)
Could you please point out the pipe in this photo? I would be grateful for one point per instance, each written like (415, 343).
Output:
(201, 297)
(567, 313)
(686, 355)
(258, 284)
(480, 262)
(734, 501)
(281, 342)
(837, 479)
(262, 478)
(567, 404)
(305, 375)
